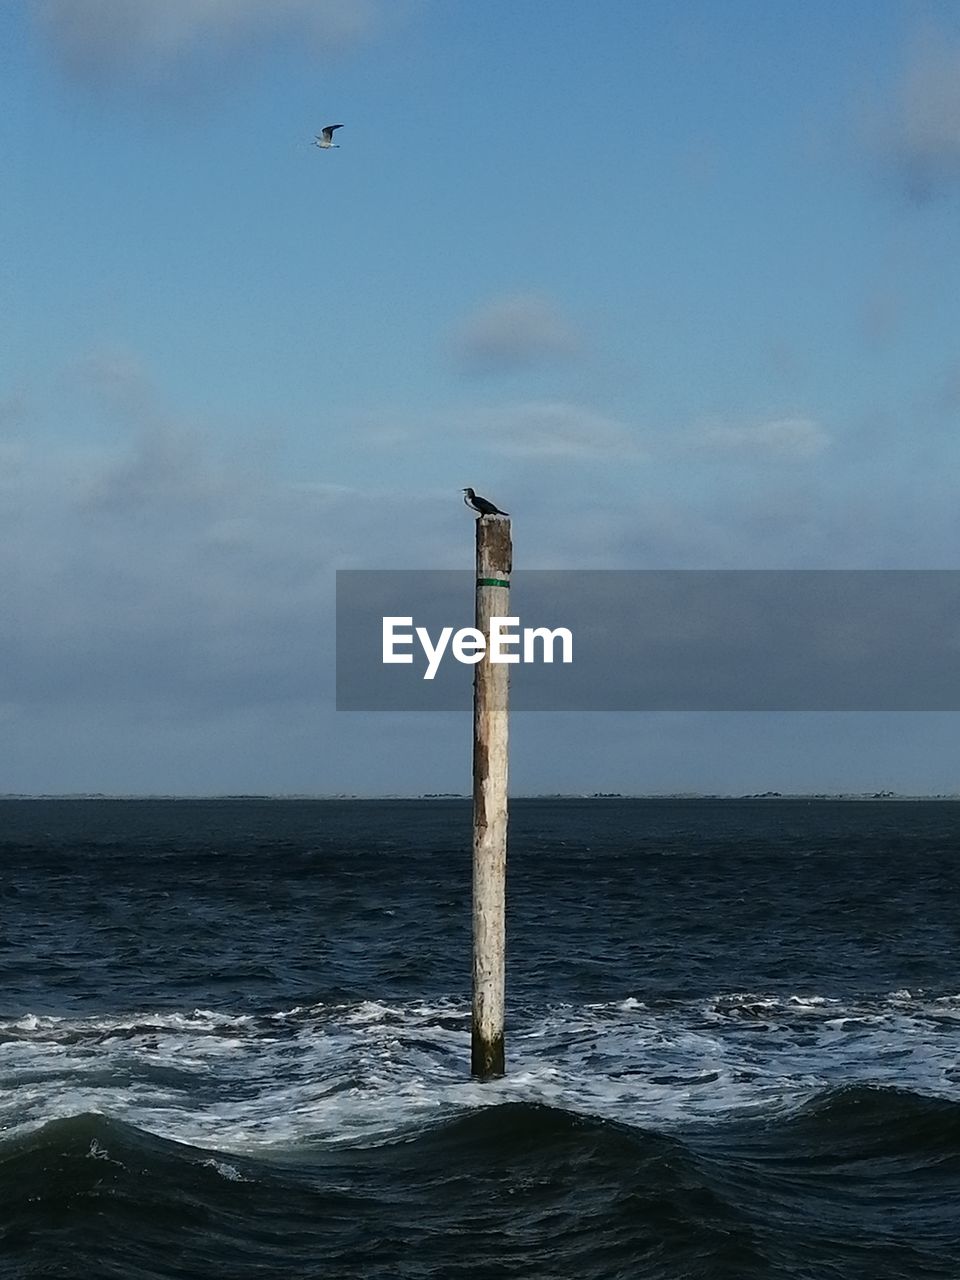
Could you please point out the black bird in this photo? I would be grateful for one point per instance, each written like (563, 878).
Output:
(481, 505)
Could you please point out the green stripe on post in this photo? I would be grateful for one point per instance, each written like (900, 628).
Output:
(492, 582)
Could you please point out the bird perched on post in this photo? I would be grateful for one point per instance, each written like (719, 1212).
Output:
(481, 505)
(325, 137)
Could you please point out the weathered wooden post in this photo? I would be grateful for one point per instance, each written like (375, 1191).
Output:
(490, 689)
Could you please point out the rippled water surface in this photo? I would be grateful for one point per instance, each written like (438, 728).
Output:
(234, 1041)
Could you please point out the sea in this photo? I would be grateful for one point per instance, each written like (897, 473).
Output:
(235, 1041)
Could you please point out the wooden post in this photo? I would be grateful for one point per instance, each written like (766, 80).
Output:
(490, 687)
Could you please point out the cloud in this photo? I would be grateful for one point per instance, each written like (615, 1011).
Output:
(513, 333)
(163, 569)
(107, 40)
(183, 575)
(168, 593)
(554, 430)
(160, 573)
(920, 132)
(784, 438)
(118, 384)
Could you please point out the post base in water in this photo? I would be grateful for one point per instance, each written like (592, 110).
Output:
(486, 1056)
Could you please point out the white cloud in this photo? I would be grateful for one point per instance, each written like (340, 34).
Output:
(554, 429)
(150, 39)
(783, 438)
(512, 333)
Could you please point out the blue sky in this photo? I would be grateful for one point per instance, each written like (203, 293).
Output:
(676, 284)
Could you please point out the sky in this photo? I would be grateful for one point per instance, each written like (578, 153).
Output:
(676, 284)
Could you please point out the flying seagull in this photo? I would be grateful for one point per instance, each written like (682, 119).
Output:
(325, 138)
(481, 505)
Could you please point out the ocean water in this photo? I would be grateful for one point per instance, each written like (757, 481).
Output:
(234, 1041)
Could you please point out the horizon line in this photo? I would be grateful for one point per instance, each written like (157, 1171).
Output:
(882, 794)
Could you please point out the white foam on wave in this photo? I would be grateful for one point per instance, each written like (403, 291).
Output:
(52, 1026)
(227, 1171)
(98, 1152)
(371, 1071)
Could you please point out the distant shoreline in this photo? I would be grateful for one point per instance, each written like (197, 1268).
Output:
(771, 796)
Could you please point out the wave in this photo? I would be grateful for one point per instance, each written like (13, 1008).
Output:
(864, 1122)
(873, 1120)
(361, 1073)
(858, 1181)
(89, 1195)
